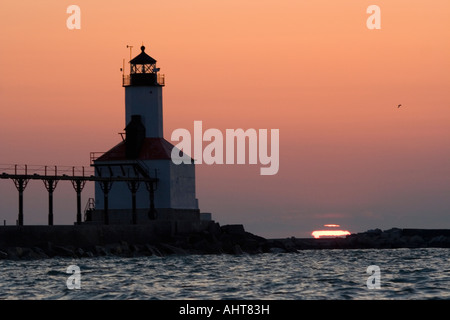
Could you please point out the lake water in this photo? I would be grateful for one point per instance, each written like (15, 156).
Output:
(309, 274)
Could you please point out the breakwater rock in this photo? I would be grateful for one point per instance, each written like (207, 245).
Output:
(35, 242)
(401, 238)
(371, 239)
(132, 241)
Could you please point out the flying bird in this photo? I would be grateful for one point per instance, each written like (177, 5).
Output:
(399, 106)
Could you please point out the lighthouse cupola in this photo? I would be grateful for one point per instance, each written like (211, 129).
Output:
(143, 71)
(143, 94)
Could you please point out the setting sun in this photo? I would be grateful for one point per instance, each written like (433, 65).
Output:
(330, 233)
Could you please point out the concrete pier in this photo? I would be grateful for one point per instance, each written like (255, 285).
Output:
(83, 236)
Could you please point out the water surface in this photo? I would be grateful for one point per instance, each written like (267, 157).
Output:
(309, 274)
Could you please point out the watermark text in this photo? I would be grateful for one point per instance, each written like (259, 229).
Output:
(230, 151)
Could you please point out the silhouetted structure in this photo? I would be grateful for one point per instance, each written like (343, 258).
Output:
(162, 193)
(171, 195)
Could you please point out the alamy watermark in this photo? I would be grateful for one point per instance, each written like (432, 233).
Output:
(374, 281)
(73, 281)
(374, 20)
(74, 20)
(230, 151)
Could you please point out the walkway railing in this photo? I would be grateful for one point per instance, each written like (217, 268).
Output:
(43, 170)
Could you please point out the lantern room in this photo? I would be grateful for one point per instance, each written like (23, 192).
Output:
(143, 72)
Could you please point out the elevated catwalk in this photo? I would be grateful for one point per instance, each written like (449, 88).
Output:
(78, 176)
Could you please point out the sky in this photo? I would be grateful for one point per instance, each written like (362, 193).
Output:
(311, 69)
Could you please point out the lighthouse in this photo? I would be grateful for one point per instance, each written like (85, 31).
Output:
(143, 94)
(157, 189)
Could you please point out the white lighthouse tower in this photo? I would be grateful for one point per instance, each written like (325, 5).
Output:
(143, 94)
(143, 152)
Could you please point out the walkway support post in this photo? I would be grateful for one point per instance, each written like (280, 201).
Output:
(78, 185)
(106, 187)
(20, 184)
(50, 185)
(133, 186)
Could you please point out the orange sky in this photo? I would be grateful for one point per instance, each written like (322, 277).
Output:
(311, 69)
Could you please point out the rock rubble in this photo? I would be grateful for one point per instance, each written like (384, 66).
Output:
(233, 239)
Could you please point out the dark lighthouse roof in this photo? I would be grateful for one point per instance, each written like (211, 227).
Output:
(143, 58)
(150, 149)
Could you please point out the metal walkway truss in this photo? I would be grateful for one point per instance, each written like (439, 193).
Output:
(79, 176)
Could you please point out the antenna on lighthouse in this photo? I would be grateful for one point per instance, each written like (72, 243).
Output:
(131, 48)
